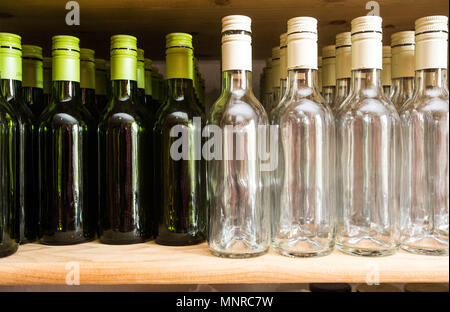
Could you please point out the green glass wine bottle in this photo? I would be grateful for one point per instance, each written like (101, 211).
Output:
(125, 149)
(11, 67)
(148, 100)
(33, 78)
(140, 76)
(101, 82)
(181, 193)
(47, 81)
(87, 81)
(66, 139)
(155, 89)
(9, 235)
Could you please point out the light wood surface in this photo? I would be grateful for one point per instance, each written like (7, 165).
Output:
(149, 263)
(151, 20)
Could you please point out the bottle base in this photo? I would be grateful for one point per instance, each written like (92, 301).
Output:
(425, 251)
(366, 252)
(296, 254)
(110, 237)
(238, 255)
(180, 242)
(65, 238)
(7, 251)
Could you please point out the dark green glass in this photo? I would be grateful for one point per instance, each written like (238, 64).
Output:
(9, 233)
(67, 137)
(101, 101)
(26, 199)
(125, 168)
(88, 100)
(180, 194)
(34, 99)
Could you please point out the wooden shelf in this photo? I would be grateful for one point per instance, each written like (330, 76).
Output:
(149, 263)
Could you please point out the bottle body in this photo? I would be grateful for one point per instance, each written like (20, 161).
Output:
(181, 193)
(303, 217)
(342, 92)
(425, 197)
(66, 140)
(9, 234)
(402, 92)
(238, 187)
(125, 173)
(368, 160)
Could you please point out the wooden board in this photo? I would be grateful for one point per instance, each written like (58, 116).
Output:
(149, 263)
(151, 20)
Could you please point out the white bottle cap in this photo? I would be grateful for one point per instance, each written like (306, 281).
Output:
(367, 42)
(276, 66)
(402, 47)
(386, 72)
(236, 48)
(343, 55)
(329, 66)
(283, 56)
(431, 42)
(302, 43)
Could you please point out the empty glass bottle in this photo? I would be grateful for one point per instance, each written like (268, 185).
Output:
(303, 212)
(329, 74)
(66, 139)
(343, 69)
(125, 153)
(26, 201)
(425, 124)
(181, 193)
(238, 185)
(32, 82)
(368, 157)
(402, 47)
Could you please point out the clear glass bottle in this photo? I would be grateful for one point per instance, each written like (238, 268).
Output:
(329, 74)
(66, 138)
(343, 69)
(368, 152)
(101, 89)
(276, 90)
(303, 212)
(425, 124)
(11, 82)
(402, 47)
(386, 79)
(32, 80)
(239, 216)
(283, 64)
(125, 154)
(181, 193)
(9, 234)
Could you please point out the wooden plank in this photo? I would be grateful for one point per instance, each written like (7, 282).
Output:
(151, 20)
(150, 263)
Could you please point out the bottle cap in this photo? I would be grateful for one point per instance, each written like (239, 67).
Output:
(276, 66)
(32, 67)
(302, 43)
(283, 40)
(343, 39)
(100, 76)
(431, 42)
(31, 51)
(329, 66)
(402, 48)
(100, 64)
(123, 61)
(65, 58)
(10, 56)
(237, 23)
(386, 72)
(87, 68)
(87, 55)
(148, 76)
(179, 56)
(176, 40)
(123, 42)
(367, 43)
(275, 53)
(319, 61)
(140, 69)
(148, 63)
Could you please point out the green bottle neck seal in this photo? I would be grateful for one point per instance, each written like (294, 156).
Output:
(123, 58)
(10, 56)
(100, 77)
(65, 59)
(32, 67)
(87, 69)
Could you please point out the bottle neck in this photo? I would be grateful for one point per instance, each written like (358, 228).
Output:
(124, 90)
(237, 81)
(180, 89)
(302, 82)
(66, 91)
(367, 81)
(11, 89)
(342, 88)
(431, 82)
(403, 85)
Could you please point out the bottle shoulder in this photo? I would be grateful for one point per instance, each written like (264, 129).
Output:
(358, 106)
(177, 112)
(427, 103)
(65, 113)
